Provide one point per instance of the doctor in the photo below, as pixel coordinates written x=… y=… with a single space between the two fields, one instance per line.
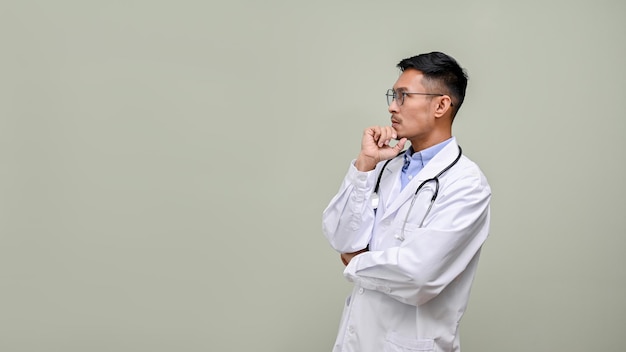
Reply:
x=410 y=227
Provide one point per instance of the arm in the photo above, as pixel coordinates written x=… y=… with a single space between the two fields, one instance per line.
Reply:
x=432 y=257
x=347 y=257
x=348 y=220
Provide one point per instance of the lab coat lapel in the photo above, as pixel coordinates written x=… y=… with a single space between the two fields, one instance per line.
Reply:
x=390 y=180
x=438 y=163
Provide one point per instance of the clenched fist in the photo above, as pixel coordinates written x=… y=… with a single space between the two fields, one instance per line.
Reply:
x=375 y=147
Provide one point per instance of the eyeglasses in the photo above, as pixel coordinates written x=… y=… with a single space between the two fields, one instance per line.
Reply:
x=399 y=96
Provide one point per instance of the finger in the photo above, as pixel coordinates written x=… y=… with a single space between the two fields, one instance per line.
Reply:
x=384 y=137
x=389 y=134
x=400 y=145
x=393 y=134
x=375 y=133
x=370 y=131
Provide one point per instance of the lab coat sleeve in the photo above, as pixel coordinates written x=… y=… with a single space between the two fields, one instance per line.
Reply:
x=348 y=219
x=430 y=258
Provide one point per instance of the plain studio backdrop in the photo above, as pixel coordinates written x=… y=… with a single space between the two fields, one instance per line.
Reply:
x=164 y=167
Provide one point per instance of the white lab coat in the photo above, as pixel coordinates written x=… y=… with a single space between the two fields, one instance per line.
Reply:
x=409 y=295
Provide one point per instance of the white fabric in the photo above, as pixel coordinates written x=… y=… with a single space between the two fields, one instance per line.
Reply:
x=409 y=295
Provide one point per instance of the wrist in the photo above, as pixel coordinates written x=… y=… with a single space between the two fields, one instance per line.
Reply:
x=364 y=163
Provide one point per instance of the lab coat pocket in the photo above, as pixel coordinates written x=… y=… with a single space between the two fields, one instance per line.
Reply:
x=397 y=343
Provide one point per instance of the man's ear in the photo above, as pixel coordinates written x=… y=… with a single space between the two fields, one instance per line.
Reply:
x=444 y=104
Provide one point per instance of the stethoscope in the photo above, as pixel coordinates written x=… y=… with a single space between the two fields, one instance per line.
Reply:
x=375 y=198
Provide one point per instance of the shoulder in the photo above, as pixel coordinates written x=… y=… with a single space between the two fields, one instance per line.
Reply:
x=468 y=172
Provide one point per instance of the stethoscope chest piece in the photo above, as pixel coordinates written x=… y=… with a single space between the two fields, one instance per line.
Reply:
x=375 y=199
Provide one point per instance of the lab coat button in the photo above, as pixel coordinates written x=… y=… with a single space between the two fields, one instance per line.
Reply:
x=361 y=290
x=351 y=329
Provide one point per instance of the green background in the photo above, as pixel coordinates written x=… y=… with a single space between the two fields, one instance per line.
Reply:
x=164 y=166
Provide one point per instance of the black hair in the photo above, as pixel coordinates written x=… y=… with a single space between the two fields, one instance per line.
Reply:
x=443 y=71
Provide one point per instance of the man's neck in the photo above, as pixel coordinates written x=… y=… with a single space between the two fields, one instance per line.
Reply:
x=420 y=144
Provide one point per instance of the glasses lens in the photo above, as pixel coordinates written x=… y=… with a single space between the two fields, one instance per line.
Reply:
x=391 y=95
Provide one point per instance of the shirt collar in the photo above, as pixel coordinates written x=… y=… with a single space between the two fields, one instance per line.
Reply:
x=425 y=155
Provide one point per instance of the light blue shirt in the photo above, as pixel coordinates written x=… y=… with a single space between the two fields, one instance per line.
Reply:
x=415 y=162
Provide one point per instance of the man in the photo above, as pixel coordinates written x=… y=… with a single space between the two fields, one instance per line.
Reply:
x=410 y=228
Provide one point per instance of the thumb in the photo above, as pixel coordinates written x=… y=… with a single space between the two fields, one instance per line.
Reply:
x=399 y=146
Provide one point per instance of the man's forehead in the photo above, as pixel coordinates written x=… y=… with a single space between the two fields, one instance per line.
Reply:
x=409 y=79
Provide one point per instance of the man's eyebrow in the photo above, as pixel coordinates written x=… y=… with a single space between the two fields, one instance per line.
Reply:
x=400 y=89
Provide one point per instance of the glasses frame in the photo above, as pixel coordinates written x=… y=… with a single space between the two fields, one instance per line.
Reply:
x=399 y=96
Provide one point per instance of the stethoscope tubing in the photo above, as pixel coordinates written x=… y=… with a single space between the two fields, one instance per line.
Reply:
x=433 y=198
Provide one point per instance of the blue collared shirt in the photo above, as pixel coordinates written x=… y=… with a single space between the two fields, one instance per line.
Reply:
x=415 y=162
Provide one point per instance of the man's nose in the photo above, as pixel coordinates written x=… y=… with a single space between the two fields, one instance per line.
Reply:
x=393 y=107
